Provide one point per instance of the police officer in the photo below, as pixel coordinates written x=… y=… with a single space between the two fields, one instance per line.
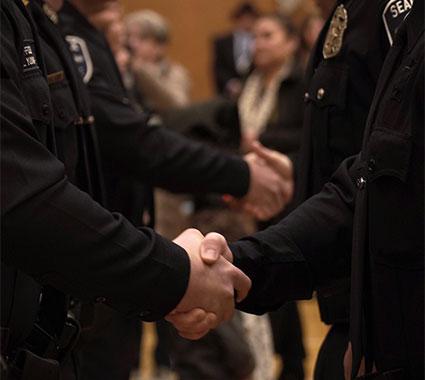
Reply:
x=341 y=79
x=138 y=151
x=379 y=196
x=42 y=211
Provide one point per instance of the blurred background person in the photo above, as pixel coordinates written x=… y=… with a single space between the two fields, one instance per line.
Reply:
x=233 y=52
x=162 y=84
x=270 y=106
x=310 y=29
x=109 y=20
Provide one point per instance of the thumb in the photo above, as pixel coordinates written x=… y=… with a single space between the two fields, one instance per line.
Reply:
x=277 y=161
x=212 y=247
x=241 y=283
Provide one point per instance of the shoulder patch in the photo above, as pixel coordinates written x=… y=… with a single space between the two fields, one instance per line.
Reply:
x=81 y=55
x=394 y=14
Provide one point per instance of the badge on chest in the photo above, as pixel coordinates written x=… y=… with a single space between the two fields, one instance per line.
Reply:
x=335 y=35
x=81 y=55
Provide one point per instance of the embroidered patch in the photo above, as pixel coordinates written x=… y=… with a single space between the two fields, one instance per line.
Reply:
x=81 y=55
x=394 y=13
x=29 y=59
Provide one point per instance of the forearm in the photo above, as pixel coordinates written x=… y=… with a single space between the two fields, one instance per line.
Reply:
x=287 y=261
x=60 y=236
x=162 y=157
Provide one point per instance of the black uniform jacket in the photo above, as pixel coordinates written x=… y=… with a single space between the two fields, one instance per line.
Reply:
x=378 y=195
x=129 y=144
x=338 y=97
x=52 y=232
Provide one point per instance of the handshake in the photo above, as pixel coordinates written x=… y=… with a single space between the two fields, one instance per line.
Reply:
x=271 y=183
x=214 y=285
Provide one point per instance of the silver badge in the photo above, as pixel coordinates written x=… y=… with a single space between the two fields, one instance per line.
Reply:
x=335 y=35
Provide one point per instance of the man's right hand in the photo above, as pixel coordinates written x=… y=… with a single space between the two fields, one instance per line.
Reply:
x=271 y=185
x=211 y=290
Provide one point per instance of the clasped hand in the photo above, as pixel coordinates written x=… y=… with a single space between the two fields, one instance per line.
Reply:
x=271 y=183
x=214 y=285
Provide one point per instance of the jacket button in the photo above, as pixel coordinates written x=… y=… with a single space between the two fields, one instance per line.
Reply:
x=320 y=93
x=100 y=299
x=306 y=97
x=45 y=109
x=371 y=165
x=361 y=183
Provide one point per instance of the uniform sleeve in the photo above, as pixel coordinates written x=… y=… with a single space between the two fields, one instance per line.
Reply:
x=159 y=156
x=61 y=237
x=283 y=261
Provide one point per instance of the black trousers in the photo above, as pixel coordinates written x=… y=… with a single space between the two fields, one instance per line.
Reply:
x=288 y=341
x=112 y=350
x=330 y=361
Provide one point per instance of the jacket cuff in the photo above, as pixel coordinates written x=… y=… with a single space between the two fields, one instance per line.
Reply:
x=238 y=167
x=167 y=287
x=276 y=278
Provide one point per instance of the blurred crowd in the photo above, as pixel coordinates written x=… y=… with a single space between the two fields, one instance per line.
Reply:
x=258 y=70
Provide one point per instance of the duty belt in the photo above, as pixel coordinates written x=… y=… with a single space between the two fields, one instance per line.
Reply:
x=57 y=348
x=40 y=356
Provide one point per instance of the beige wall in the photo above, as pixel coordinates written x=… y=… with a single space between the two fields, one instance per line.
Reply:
x=194 y=23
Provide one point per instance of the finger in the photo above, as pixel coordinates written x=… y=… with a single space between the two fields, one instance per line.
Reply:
x=241 y=283
x=266 y=210
x=209 y=323
x=212 y=247
x=189 y=239
x=289 y=191
x=278 y=161
x=260 y=213
x=193 y=336
x=188 y=320
x=261 y=151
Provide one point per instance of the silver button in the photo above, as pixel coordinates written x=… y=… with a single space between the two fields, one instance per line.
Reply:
x=320 y=93
x=361 y=183
x=306 y=96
